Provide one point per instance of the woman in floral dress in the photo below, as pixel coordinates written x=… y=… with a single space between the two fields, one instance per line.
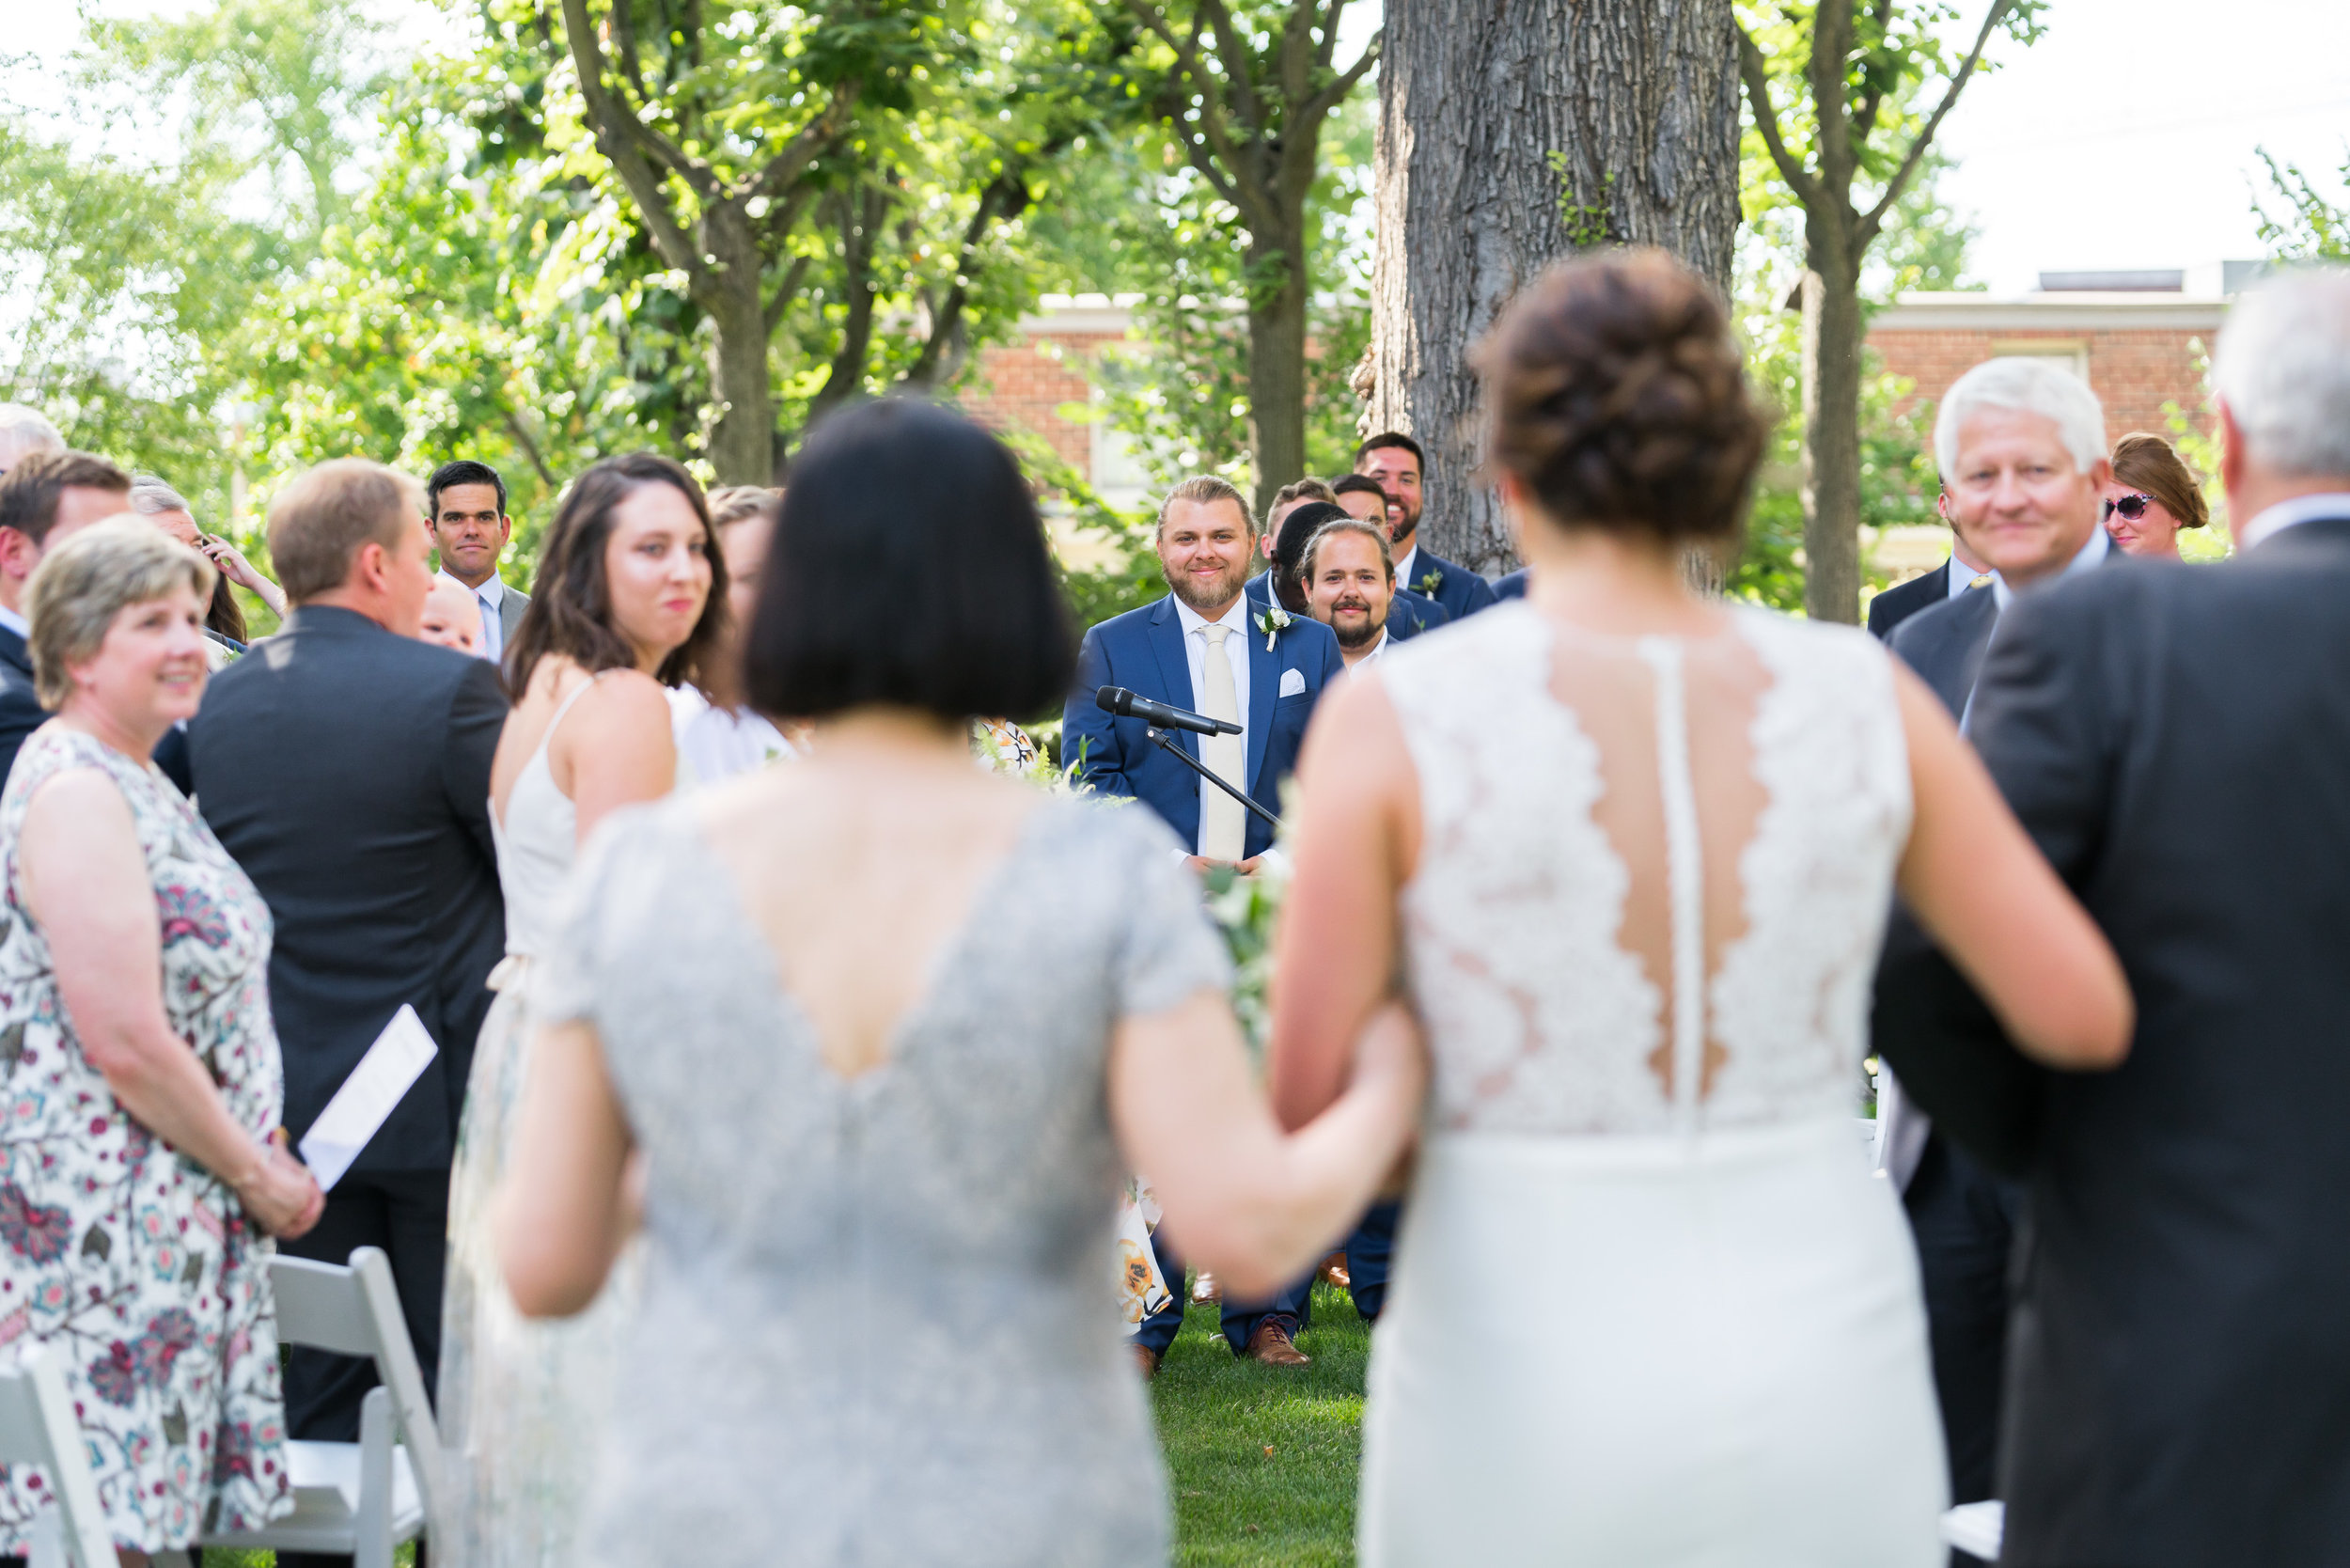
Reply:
x=139 y=1076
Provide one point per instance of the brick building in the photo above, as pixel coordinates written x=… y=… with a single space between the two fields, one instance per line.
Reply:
x=2139 y=338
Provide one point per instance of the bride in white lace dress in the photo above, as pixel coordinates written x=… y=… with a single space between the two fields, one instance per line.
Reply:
x=1632 y=852
x=624 y=606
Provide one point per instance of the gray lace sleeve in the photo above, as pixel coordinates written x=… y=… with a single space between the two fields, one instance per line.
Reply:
x=1172 y=948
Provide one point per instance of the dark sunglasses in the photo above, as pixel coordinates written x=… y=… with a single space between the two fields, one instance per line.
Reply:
x=2131 y=506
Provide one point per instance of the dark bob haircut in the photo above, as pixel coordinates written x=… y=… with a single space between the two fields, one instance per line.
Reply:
x=1617 y=396
x=908 y=569
x=570 y=600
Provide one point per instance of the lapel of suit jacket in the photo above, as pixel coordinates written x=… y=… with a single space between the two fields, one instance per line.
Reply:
x=1264 y=690
x=1946 y=650
x=1167 y=641
x=512 y=605
x=15 y=653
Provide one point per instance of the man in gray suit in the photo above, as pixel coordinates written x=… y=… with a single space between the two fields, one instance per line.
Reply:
x=467 y=516
x=2022 y=448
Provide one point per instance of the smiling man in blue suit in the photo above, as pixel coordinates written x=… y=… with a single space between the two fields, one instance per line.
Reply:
x=1208 y=648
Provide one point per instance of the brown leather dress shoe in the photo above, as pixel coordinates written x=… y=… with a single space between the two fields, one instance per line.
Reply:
x=1205 y=1289
x=1332 y=1270
x=1271 y=1344
x=1147 y=1361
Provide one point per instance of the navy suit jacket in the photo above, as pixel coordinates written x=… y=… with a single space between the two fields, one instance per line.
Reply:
x=1902 y=600
x=1944 y=645
x=1460 y=591
x=347 y=770
x=1143 y=651
x=1511 y=587
x=21 y=711
x=1408 y=614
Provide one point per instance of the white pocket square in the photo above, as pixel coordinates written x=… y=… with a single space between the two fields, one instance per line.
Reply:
x=1293 y=682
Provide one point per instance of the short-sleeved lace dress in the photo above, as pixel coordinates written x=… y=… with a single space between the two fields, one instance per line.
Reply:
x=140 y=1267
x=877 y=1327
x=1650 y=1304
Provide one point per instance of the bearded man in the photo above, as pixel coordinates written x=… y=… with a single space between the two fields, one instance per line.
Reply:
x=1350 y=587
x=1208 y=648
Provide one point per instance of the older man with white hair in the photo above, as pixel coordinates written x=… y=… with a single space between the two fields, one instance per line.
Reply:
x=2177 y=739
x=2022 y=448
x=24 y=432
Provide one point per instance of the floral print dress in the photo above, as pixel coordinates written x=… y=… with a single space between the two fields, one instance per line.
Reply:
x=139 y=1268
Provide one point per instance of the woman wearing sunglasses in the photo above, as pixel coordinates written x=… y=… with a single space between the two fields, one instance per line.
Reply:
x=2151 y=496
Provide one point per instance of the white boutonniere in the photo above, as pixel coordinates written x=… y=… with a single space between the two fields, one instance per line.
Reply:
x=1272 y=621
x=1430 y=581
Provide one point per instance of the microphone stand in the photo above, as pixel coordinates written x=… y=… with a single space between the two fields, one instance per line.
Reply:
x=1174 y=749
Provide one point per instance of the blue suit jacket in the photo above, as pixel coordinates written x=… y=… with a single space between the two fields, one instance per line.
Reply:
x=1143 y=651
x=1511 y=587
x=1460 y=591
x=1408 y=615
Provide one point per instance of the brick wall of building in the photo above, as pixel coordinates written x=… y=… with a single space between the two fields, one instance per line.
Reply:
x=1023 y=384
x=2134 y=371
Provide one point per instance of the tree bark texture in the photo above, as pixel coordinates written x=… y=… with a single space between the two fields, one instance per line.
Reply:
x=1276 y=380
x=1831 y=447
x=1514 y=132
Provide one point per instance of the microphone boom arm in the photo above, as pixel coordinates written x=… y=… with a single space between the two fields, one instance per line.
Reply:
x=1174 y=749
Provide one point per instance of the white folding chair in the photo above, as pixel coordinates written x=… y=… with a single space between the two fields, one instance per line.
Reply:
x=1976 y=1529
x=366 y=1497
x=37 y=1427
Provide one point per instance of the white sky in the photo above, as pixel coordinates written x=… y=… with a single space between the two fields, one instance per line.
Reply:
x=2126 y=137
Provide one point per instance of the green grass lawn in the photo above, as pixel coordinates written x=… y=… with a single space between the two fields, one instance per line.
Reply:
x=1237 y=1506
x=1263 y=1459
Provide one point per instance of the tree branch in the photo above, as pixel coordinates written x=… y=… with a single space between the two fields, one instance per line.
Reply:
x=1336 y=93
x=1209 y=118
x=810 y=140
x=861 y=214
x=1893 y=188
x=1005 y=195
x=1758 y=80
x=1326 y=52
x=786 y=287
x=1232 y=53
x=1874 y=98
x=530 y=448
x=621 y=136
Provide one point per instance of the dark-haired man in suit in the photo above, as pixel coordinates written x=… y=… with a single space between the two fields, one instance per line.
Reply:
x=44 y=497
x=1954 y=576
x=345 y=764
x=1395 y=461
x=465 y=508
x=2177 y=741
x=1207 y=648
x=2022 y=446
x=1408 y=614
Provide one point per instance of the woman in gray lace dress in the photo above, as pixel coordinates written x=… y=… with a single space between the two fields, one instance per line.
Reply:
x=889 y=1030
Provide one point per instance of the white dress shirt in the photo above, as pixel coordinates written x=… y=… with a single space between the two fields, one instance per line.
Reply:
x=1235 y=649
x=2286 y=515
x=2091 y=555
x=1961 y=578
x=1403 y=566
x=490 y=596
x=16 y=623
x=1377 y=648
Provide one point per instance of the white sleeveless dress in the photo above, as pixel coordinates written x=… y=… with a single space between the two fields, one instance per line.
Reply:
x=1651 y=1307
x=523 y=1404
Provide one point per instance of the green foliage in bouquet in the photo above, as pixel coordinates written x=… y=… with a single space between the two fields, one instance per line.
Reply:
x=1246 y=909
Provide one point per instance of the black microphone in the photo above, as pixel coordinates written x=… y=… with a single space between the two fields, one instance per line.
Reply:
x=1118 y=699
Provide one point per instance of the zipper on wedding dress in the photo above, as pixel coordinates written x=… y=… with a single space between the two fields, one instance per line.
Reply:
x=1685 y=875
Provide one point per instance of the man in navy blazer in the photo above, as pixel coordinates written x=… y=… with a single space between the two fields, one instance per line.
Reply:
x=1177 y=651
x=1205 y=540
x=1395 y=461
x=1408 y=614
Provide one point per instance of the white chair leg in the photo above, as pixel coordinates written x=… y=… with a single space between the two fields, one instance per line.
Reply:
x=373 y=1549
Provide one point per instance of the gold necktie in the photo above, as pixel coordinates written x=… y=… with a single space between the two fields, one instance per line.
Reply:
x=1983 y=581
x=1223 y=822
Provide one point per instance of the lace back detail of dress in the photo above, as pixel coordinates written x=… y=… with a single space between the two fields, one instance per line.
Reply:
x=1653 y=875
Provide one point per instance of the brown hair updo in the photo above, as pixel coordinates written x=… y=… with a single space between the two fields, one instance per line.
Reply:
x=1618 y=395
x=2152 y=466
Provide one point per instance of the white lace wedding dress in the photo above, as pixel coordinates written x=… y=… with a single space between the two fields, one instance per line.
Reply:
x=1650 y=1307
x=524 y=1406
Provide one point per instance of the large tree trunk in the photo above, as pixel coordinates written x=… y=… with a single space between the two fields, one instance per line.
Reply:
x=1276 y=375
x=742 y=438
x=1638 y=101
x=1831 y=443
